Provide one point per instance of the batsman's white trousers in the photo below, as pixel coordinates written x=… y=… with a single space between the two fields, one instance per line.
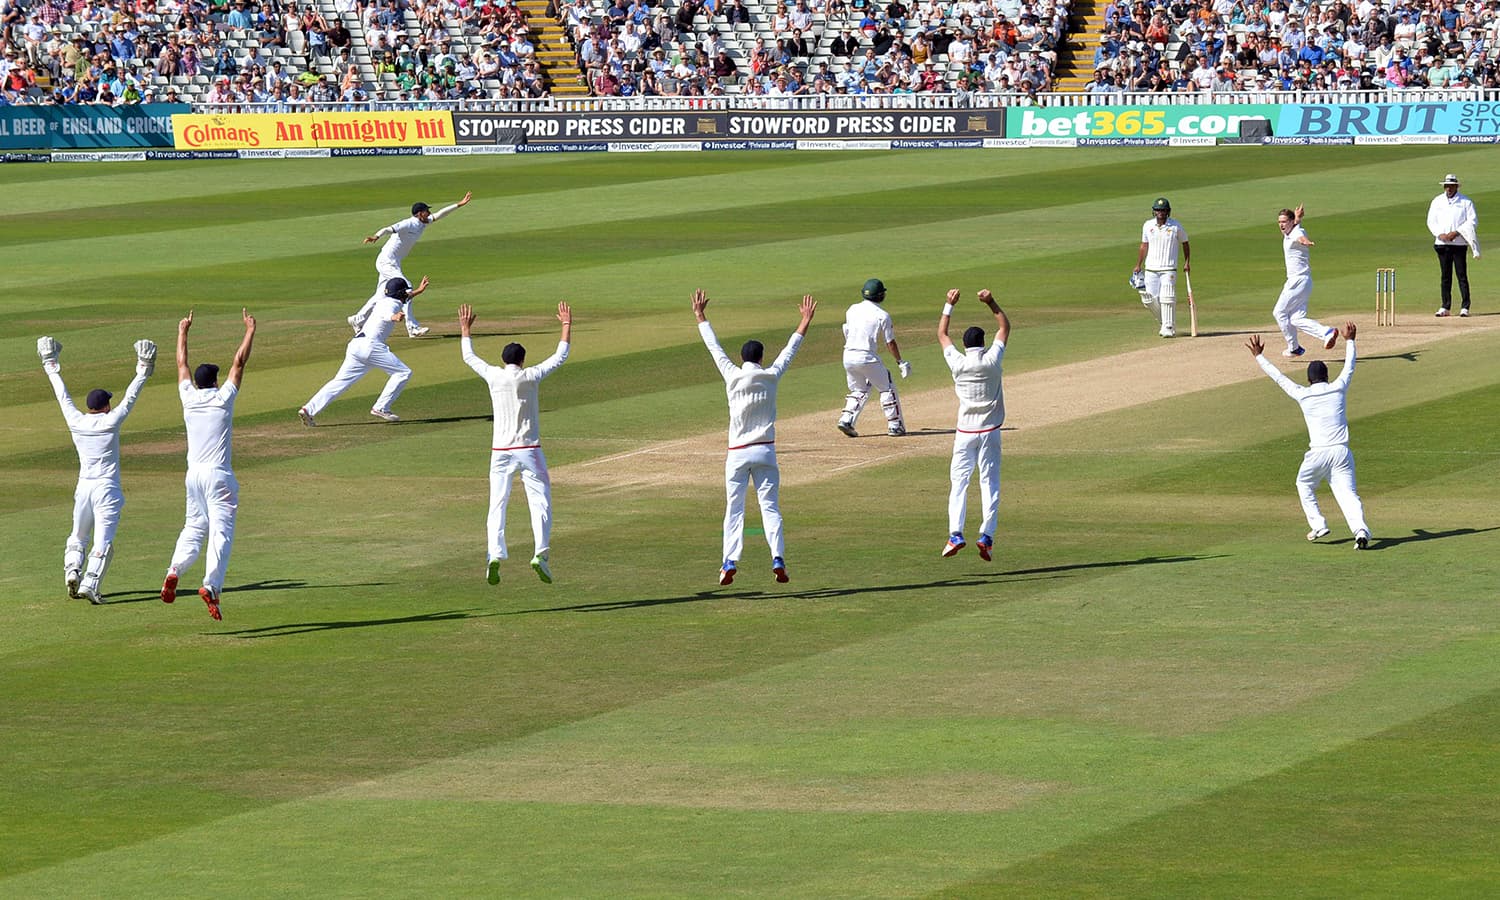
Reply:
x=1336 y=466
x=213 y=497
x=1162 y=285
x=1291 y=312
x=973 y=449
x=867 y=373
x=755 y=463
x=532 y=465
x=97 y=503
x=363 y=355
x=382 y=275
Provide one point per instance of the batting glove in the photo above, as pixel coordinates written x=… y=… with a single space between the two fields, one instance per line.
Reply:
x=49 y=350
x=145 y=357
x=905 y=368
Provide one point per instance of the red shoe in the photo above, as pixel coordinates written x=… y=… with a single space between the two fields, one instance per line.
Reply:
x=778 y=568
x=169 y=588
x=955 y=544
x=213 y=603
x=1332 y=339
x=984 y=546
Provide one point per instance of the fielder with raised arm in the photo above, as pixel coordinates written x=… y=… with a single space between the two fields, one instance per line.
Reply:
x=981 y=412
x=1290 y=311
x=213 y=494
x=403 y=237
x=1328 y=455
x=98 y=499
x=1155 y=270
x=517 y=442
x=752 y=436
x=867 y=328
x=368 y=350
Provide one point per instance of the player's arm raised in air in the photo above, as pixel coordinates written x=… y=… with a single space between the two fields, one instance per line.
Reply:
x=183 y=372
x=706 y=331
x=554 y=362
x=946 y=318
x=1343 y=380
x=452 y=206
x=1002 y=321
x=1257 y=348
x=466 y=320
x=242 y=355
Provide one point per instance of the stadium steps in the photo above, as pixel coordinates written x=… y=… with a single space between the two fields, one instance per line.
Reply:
x=554 y=53
x=1075 y=58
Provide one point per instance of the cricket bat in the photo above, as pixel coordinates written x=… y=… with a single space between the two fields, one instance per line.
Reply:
x=1192 y=305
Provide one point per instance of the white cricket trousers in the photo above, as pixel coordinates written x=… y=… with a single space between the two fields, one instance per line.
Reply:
x=213 y=497
x=97 y=503
x=363 y=355
x=755 y=463
x=1162 y=288
x=382 y=275
x=973 y=449
x=532 y=465
x=866 y=373
x=1336 y=466
x=1291 y=312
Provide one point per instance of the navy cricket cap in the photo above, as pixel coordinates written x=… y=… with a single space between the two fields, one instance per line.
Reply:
x=98 y=398
x=420 y=207
x=206 y=375
x=398 y=288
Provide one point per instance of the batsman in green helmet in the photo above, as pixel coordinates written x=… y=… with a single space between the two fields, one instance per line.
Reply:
x=868 y=327
x=1161 y=238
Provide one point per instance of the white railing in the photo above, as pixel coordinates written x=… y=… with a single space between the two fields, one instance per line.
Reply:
x=873 y=101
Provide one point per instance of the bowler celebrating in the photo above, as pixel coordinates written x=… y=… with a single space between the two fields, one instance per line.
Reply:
x=98 y=499
x=213 y=494
x=981 y=412
x=752 y=436
x=517 y=442
x=1291 y=307
x=1328 y=455
x=403 y=237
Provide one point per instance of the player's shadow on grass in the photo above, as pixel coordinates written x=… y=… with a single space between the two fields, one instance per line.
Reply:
x=1408 y=356
x=1418 y=534
x=274 y=584
x=290 y=628
x=971 y=580
x=376 y=423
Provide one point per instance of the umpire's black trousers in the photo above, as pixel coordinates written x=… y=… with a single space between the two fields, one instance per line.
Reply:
x=1451 y=257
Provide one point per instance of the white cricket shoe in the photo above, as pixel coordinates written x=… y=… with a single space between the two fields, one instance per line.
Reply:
x=1168 y=332
x=306 y=418
x=1361 y=540
x=543 y=571
x=91 y=594
x=1294 y=352
x=71 y=578
x=1463 y=313
x=1442 y=312
x=385 y=414
x=1317 y=533
x=417 y=332
x=847 y=427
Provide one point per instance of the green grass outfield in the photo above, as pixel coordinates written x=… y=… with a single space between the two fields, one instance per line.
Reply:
x=1157 y=689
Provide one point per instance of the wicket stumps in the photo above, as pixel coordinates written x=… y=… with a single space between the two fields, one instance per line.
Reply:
x=1385 y=297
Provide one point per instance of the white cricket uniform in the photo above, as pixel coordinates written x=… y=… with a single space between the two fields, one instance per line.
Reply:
x=403 y=237
x=98 y=499
x=867 y=329
x=1291 y=307
x=366 y=351
x=976 y=439
x=213 y=494
x=751 y=391
x=516 y=445
x=1328 y=455
x=1163 y=244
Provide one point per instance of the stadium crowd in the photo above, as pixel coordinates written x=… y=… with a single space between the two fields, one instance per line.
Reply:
x=1234 y=45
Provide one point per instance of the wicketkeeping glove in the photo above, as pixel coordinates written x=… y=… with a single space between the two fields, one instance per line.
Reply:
x=145 y=357
x=49 y=350
x=905 y=368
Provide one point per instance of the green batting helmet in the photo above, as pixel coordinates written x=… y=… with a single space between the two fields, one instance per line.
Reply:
x=874 y=289
x=1162 y=204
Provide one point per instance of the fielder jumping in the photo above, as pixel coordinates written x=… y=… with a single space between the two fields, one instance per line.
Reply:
x=213 y=494
x=868 y=327
x=517 y=442
x=1291 y=307
x=981 y=412
x=368 y=350
x=1160 y=238
x=752 y=436
x=98 y=499
x=403 y=237
x=1328 y=455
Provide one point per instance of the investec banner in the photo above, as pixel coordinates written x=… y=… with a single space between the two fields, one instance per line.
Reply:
x=257 y=131
x=732 y=125
x=1127 y=122
x=87 y=127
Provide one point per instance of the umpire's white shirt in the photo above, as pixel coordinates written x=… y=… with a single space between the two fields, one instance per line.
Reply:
x=867 y=328
x=1162 y=242
x=1455 y=214
x=514 y=394
x=1323 y=405
x=976 y=380
x=751 y=390
x=209 y=416
x=96 y=435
